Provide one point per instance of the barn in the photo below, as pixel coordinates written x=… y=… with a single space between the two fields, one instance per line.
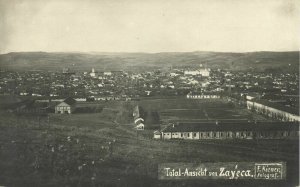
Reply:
x=66 y=107
x=242 y=130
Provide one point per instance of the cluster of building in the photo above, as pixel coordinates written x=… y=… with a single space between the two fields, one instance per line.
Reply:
x=114 y=85
x=103 y=85
x=282 y=88
x=275 y=95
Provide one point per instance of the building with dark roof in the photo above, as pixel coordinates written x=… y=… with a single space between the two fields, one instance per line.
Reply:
x=66 y=107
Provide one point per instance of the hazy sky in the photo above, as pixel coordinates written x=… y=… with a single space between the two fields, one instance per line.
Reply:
x=149 y=25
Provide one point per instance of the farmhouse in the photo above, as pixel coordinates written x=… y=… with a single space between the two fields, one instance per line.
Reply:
x=66 y=107
x=273 y=110
x=209 y=130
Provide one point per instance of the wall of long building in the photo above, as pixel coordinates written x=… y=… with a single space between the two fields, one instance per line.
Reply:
x=231 y=135
x=192 y=96
x=272 y=112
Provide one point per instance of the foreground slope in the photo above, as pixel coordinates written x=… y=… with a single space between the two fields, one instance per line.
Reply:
x=102 y=149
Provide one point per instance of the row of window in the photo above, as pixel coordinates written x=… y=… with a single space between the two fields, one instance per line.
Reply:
x=63 y=108
x=212 y=134
x=244 y=134
x=202 y=96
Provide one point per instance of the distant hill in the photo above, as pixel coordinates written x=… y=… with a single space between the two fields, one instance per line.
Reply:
x=256 y=61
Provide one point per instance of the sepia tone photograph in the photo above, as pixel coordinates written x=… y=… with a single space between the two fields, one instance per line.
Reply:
x=149 y=93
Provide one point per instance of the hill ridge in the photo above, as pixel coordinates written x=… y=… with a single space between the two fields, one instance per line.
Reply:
x=83 y=61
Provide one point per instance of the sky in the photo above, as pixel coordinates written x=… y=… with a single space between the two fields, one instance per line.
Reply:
x=149 y=25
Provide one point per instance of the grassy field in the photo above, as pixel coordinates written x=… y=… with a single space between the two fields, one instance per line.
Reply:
x=195 y=109
x=102 y=149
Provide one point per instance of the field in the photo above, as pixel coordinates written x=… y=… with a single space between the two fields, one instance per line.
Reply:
x=181 y=109
x=102 y=149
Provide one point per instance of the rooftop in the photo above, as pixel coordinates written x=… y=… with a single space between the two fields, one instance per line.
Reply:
x=70 y=101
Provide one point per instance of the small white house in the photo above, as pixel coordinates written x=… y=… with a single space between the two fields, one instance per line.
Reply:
x=140 y=126
x=66 y=107
x=157 y=134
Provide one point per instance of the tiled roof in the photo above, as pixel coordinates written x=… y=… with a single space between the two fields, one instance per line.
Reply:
x=70 y=101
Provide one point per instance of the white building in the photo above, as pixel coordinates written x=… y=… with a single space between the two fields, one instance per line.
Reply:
x=173 y=74
x=204 y=72
x=66 y=107
x=157 y=134
x=237 y=130
x=195 y=72
x=202 y=96
x=140 y=126
x=107 y=73
x=138 y=120
x=93 y=73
